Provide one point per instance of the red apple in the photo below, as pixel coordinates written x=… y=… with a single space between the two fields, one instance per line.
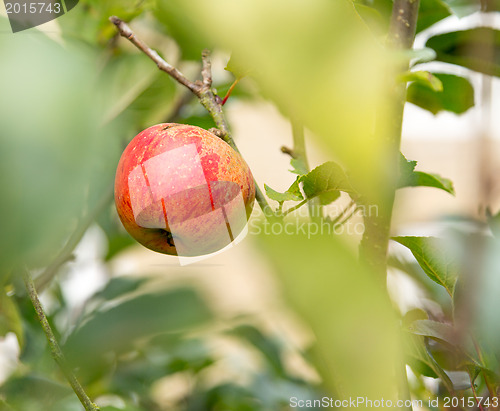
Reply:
x=183 y=191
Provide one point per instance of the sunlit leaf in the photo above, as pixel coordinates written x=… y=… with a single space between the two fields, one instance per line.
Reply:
x=326 y=181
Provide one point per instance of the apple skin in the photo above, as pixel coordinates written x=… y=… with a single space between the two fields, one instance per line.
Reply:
x=181 y=190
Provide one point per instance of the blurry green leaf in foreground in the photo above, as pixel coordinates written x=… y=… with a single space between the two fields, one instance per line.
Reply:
x=357 y=345
x=131 y=319
x=477 y=49
x=434 y=258
x=317 y=59
x=456 y=94
x=52 y=150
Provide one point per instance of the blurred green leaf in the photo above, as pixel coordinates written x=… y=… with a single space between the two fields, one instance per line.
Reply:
x=305 y=54
x=462 y=8
x=349 y=302
x=265 y=344
x=431 y=253
x=177 y=25
x=430 y=12
x=34 y=393
x=236 y=67
x=378 y=18
x=372 y=17
x=125 y=78
x=292 y=194
x=423 y=77
x=121 y=326
x=456 y=96
x=434 y=329
x=93 y=25
x=477 y=49
x=10 y=317
x=48 y=164
x=118 y=286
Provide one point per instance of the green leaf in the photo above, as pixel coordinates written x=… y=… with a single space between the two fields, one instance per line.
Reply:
x=422 y=77
x=432 y=256
x=371 y=16
x=183 y=30
x=477 y=49
x=462 y=8
x=10 y=317
x=457 y=95
x=267 y=346
x=431 y=180
x=292 y=194
x=326 y=181
x=236 y=66
x=124 y=79
x=119 y=326
x=410 y=178
x=299 y=166
x=434 y=329
x=352 y=306
x=430 y=12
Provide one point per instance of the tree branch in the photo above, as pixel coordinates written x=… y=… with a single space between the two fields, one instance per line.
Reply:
x=126 y=31
x=55 y=350
x=375 y=241
x=202 y=89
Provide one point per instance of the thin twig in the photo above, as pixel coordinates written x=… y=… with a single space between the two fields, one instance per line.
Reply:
x=126 y=31
x=202 y=89
x=55 y=350
x=206 y=71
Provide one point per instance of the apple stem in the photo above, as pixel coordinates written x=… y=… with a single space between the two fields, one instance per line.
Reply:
x=56 y=352
x=202 y=89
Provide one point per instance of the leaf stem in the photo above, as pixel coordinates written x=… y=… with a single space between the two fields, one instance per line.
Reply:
x=56 y=352
x=235 y=82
